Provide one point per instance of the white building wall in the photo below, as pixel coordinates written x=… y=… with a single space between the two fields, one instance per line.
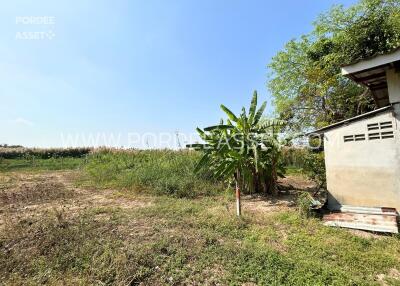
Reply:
x=364 y=172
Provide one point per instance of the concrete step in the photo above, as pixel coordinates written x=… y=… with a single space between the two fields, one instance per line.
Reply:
x=385 y=220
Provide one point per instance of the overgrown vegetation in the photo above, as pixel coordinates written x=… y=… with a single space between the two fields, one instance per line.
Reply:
x=102 y=167
x=162 y=172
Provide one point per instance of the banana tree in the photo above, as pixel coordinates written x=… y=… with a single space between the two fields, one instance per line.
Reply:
x=245 y=147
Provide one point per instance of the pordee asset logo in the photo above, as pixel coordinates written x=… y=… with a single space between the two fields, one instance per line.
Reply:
x=35 y=35
x=40 y=27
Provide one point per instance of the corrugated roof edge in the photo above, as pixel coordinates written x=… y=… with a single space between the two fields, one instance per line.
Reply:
x=355 y=118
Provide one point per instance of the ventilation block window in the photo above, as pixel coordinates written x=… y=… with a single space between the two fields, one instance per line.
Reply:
x=356 y=137
x=388 y=134
x=359 y=137
x=374 y=136
x=348 y=138
x=380 y=130
x=386 y=125
x=373 y=126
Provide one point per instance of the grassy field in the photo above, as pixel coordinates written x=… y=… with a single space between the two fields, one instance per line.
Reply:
x=78 y=226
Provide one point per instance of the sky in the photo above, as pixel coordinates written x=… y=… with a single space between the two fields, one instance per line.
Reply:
x=138 y=74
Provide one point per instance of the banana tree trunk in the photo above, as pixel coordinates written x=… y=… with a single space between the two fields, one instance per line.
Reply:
x=269 y=181
x=274 y=179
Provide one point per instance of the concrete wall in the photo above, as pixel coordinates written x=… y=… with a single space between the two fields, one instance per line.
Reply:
x=366 y=172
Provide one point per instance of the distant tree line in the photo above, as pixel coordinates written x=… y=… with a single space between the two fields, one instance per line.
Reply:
x=10 y=146
x=17 y=152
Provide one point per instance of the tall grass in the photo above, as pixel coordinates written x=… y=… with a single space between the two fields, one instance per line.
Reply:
x=162 y=172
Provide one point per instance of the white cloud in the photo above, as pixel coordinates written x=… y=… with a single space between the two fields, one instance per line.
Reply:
x=23 y=121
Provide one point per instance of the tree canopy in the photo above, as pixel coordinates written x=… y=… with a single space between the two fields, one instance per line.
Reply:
x=305 y=80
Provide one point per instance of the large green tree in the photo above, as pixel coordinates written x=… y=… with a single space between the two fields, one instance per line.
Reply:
x=306 y=84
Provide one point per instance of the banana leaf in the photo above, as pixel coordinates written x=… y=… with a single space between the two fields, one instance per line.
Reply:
x=229 y=113
x=218 y=127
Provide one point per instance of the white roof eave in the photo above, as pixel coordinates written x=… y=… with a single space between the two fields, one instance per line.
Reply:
x=371 y=63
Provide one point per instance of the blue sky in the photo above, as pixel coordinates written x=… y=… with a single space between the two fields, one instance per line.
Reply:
x=120 y=67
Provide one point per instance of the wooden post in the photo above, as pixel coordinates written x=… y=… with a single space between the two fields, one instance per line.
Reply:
x=238 y=206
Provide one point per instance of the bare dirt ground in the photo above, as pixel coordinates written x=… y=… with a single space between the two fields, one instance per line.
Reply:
x=290 y=187
x=29 y=196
